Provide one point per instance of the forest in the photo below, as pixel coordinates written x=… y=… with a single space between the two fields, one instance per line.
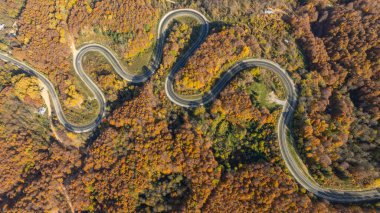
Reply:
x=338 y=113
x=150 y=155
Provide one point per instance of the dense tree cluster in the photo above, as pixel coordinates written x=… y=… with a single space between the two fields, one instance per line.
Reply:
x=176 y=42
x=256 y=35
x=12 y=7
x=338 y=113
x=259 y=188
x=130 y=25
x=104 y=76
x=62 y=25
x=42 y=43
x=265 y=187
x=242 y=129
x=33 y=163
x=166 y=194
x=148 y=148
x=219 y=51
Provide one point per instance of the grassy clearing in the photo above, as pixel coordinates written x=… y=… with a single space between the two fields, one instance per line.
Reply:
x=83 y=115
x=187 y=20
x=273 y=82
x=119 y=46
x=334 y=182
x=261 y=87
x=261 y=94
x=136 y=64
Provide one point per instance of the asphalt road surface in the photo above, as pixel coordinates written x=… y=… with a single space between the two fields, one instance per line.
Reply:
x=291 y=159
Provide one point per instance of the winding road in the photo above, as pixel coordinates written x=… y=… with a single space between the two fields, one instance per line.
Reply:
x=292 y=160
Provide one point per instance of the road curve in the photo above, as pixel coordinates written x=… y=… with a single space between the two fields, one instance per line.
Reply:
x=300 y=175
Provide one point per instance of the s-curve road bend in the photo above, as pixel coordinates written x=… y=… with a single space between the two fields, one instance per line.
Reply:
x=293 y=164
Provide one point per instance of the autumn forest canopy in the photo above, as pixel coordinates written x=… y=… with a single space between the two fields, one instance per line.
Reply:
x=150 y=155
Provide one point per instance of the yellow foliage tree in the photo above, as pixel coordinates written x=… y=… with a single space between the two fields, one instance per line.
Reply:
x=26 y=86
x=74 y=98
